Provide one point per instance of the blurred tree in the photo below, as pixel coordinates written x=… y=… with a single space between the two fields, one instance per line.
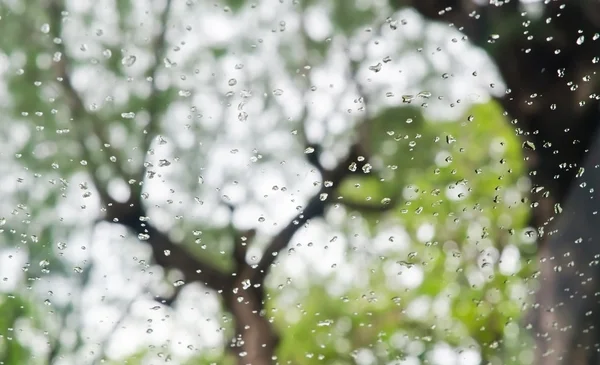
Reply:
x=299 y=159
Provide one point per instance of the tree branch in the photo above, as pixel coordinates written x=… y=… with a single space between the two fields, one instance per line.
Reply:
x=165 y=252
x=154 y=107
x=314 y=209
x=77 y=106
x=461 y=14
x=367 y=207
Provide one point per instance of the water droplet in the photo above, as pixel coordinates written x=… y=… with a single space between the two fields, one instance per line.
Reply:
x=128 y=61
x=529 y=145
x=232 y=82
x=178 y=283
x=246 y=284
x=376 y=68
x=45 y=28
x=407 y=99
x=557 y=208
x=325 y=323
x=277 y=92
x=168 y=63
x=580 y=40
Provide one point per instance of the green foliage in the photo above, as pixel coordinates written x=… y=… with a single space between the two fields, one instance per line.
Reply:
x=348 y=18
x=13 y=309
x=479 y=154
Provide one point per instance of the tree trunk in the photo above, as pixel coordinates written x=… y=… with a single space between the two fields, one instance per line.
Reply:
x=567 y=306
x=255 y=340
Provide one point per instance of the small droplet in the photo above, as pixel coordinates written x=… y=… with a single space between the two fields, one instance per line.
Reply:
x=168 y=63
x=407 y=99
x=376 y=68
x=557 y=208
x=529 y=145
x=128 y=61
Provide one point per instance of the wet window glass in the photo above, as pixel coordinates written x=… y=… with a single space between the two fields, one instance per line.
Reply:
x=299 y=182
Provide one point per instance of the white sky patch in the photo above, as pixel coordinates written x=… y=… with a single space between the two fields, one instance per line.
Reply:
x=318 y=26
x=510 y=260
x=425 y=232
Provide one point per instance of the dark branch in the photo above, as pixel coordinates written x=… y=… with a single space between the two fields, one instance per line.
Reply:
x=165 y=252
x=154 y=108
x=461 y=14
x=240 y=248
x=363 y=207
x=314 y=209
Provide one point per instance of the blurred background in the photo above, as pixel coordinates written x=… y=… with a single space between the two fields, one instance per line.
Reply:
x=298 y=182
